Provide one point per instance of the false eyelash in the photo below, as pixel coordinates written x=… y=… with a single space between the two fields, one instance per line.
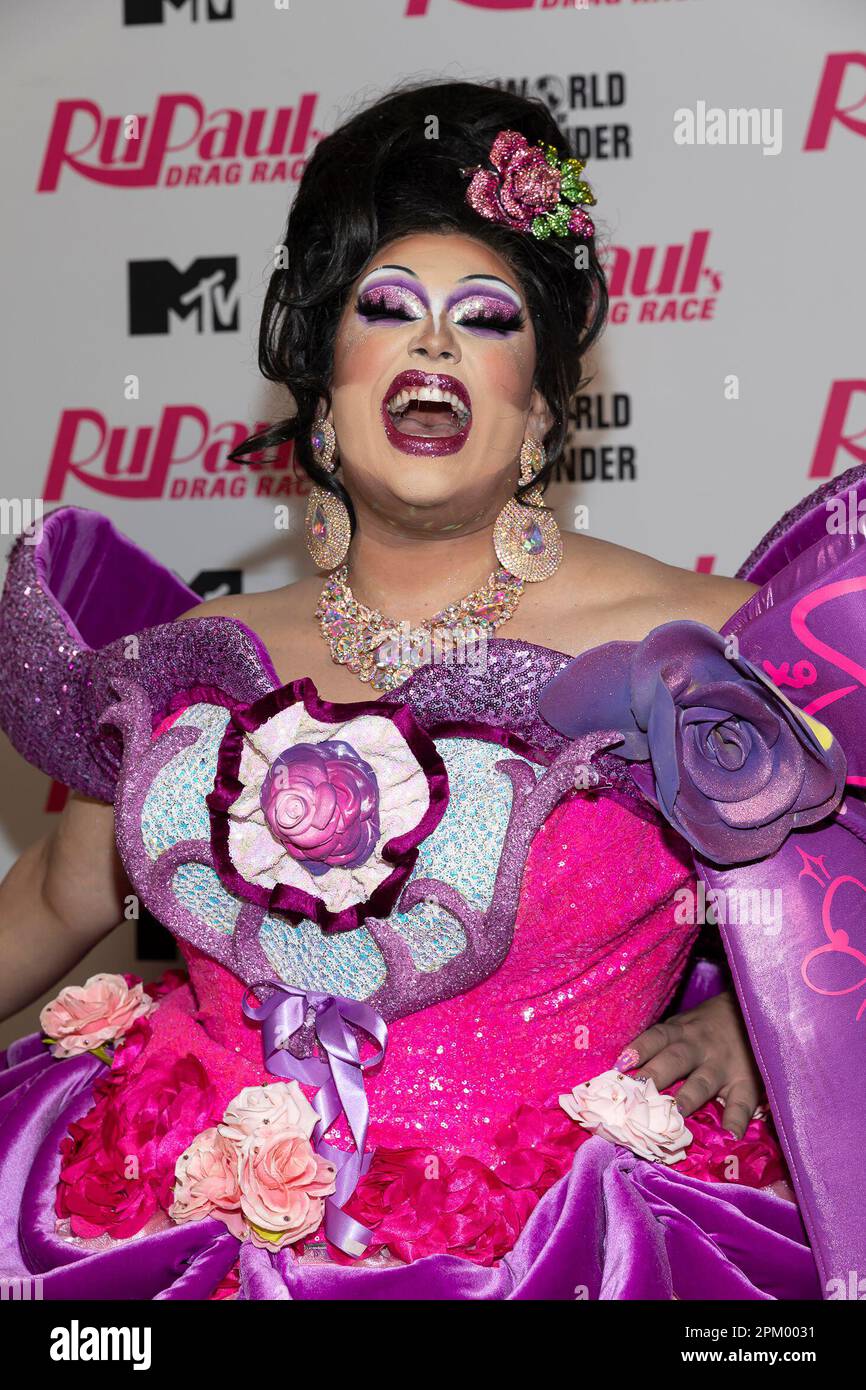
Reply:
x=499 y=323
x=369 y=310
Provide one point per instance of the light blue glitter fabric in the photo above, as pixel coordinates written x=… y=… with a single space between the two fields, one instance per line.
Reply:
x=175 y=808
x=463 y=851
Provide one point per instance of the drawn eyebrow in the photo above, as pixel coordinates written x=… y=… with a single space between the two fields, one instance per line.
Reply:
x=404 y=268
x=498 y=279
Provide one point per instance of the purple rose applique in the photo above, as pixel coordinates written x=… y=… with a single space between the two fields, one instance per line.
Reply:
x=321 y=801
x=318 y=809
x=735 y=766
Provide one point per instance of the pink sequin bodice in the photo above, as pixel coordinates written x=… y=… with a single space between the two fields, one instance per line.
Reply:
x=596 y=956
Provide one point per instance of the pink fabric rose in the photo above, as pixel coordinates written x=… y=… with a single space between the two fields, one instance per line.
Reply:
x=263 y=1111
x=84 y=1017
x=627 y=1111
x=321 y=801
x=283 y=1186
x=206 y=1182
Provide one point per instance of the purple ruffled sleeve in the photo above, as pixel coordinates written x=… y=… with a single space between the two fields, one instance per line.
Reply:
x=82 y=606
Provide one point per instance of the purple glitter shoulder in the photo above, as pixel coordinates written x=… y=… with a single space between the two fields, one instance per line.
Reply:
x=800 y=527
x=83 y=606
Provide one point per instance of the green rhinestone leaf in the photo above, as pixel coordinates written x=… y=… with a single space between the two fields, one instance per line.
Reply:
x=584 y=193
x=542 y=226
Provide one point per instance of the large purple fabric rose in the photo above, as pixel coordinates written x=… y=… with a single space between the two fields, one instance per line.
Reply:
x=735 y=766
x=321 y=801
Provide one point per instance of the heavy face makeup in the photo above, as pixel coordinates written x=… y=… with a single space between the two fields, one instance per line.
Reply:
x=432 y=390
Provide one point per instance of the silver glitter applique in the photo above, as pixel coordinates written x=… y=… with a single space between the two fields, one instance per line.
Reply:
x=463 y=851
x=175 y=807
x=200 y=889
x=347 y=963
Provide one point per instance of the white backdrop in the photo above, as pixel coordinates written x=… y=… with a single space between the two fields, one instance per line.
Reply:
x=724 y=390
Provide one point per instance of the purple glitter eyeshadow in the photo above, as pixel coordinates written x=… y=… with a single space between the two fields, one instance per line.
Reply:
x=483 y=309
x=392 y=297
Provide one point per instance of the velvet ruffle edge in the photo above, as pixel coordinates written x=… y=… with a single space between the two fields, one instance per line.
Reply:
x=461 y=1228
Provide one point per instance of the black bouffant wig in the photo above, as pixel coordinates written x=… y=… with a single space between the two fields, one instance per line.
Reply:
x=379 y=177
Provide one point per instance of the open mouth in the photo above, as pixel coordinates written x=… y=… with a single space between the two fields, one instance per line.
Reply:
x=427 y=412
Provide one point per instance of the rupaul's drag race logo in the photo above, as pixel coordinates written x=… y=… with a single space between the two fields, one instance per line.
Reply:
x=575 y=100
x=842 y=436
x=178 y=144
x=416 y=8
x=183 y=456
x=662 y=284
x=841 y=92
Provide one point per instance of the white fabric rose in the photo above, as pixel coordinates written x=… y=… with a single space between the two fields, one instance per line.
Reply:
x=629 y=1111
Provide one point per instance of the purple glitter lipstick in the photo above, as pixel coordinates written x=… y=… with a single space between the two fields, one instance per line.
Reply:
x=427 y=413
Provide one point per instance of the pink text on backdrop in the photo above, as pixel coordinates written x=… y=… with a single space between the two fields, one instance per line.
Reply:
x=844 y=397
x=139 y=461
x=89 y=143
x=828 y=98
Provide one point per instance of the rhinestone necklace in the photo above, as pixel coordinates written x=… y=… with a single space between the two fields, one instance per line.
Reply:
x=385 y=651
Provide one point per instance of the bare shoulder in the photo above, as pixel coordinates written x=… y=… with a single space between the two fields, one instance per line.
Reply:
x=263 y=612
x=605 y=592
x=709 y=598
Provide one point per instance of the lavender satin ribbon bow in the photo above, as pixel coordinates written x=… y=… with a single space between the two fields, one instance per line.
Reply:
x=340 y=1081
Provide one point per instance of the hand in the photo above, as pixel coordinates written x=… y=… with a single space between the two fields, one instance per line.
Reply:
x=707 y=1045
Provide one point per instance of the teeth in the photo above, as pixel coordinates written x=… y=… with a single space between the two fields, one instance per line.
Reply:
x=399 y=401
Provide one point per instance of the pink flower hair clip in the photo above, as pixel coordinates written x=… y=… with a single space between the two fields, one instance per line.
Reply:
x=531 y=189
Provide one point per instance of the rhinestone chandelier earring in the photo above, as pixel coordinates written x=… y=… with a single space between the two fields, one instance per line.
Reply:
x=526 y=537
x=327 y=529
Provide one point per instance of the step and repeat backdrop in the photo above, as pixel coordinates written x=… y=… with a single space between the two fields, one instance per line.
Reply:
x=726 y=143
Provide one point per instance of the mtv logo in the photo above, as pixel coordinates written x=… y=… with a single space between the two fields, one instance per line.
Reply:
x=206 y=293
x=153 y=11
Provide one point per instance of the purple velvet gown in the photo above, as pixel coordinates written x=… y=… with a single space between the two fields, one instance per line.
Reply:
x=507 y=881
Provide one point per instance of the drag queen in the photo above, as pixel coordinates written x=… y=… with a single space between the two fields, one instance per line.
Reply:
x=435 y=829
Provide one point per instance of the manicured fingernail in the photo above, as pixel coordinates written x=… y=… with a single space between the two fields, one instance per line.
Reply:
x=681 y=1107
x=627 y=1059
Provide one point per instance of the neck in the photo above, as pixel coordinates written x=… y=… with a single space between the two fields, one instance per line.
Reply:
x=410 y=576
